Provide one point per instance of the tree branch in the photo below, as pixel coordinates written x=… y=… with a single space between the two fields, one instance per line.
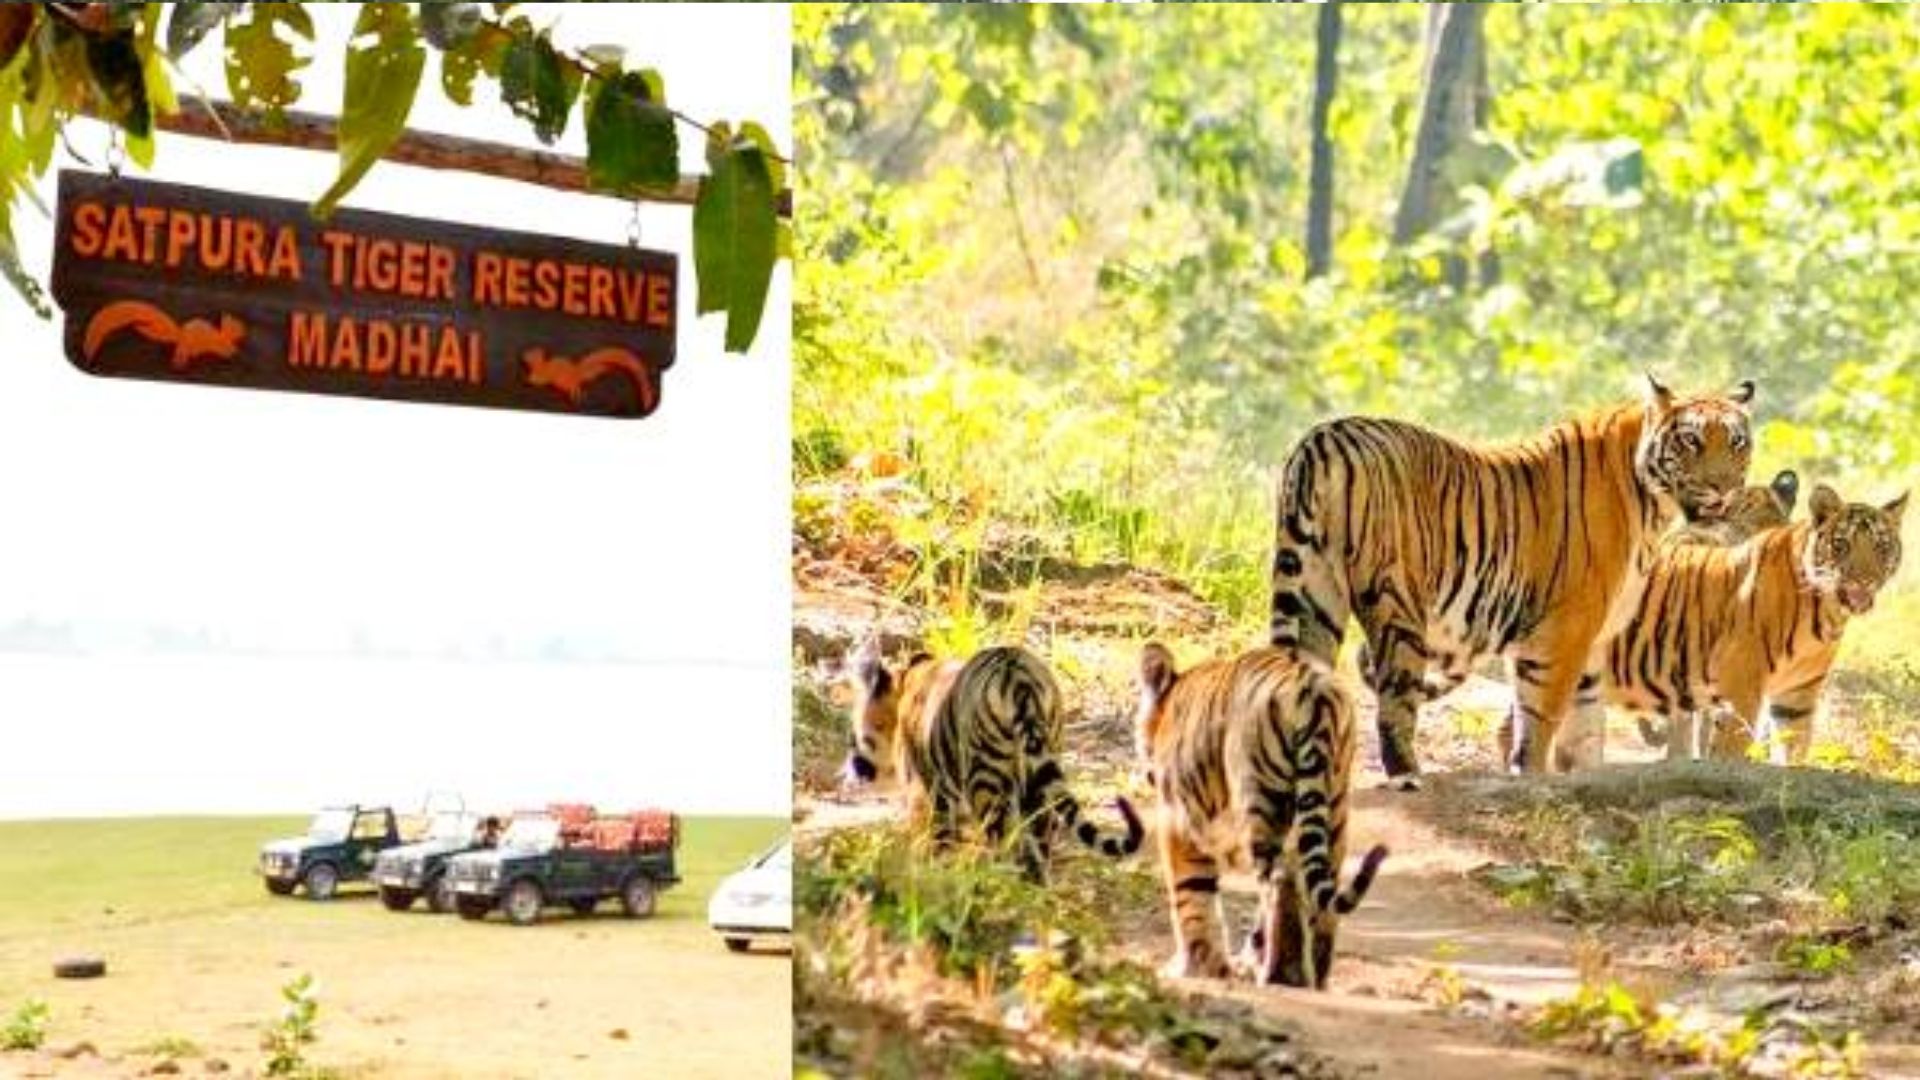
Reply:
x=425 y=149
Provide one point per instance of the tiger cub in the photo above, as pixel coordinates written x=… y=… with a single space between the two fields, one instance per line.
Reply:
x=976 y=743
x=1252 y=759
x=1755 y=509
x=1759 y=621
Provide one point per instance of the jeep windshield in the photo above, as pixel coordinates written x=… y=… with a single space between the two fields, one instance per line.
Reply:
x=330 y=826
x=450 y=826
x=531 y=836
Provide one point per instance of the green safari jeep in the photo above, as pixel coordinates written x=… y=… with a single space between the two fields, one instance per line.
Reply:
x=340 y=846
x=544 y=860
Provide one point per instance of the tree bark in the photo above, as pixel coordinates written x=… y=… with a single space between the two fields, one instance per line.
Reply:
x=1326 y=74
x=1453 y=100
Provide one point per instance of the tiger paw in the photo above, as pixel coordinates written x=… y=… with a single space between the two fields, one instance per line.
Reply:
x=1186 y=965
x=1405 y=782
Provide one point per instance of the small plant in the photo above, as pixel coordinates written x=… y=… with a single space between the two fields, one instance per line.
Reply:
x=1442 y=983
x=288 y=1038
x=1812 y=955
x=27 y=1029
x=170 y=1048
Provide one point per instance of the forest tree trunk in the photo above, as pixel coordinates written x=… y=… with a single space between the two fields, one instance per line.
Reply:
x=1326 y=74
x=1453 y=102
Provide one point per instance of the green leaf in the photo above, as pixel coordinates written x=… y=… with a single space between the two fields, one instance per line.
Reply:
x=457 y=72
x=735 y=235
x=189 y=23
x=384 y=63
x=261 y=62
x=631 y=140
x=113 y=62
x=153 y=67
x=537 y=83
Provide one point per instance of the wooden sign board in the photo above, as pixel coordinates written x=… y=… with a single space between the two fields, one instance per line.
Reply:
x=184 y=284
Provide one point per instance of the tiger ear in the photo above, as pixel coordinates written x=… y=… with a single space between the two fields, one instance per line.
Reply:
x=1897 y=508
x=1658 y=396
x=1825 y=502
x=868 y=669
x=1743 y=393
x=1786 y=489
x=1156 y=671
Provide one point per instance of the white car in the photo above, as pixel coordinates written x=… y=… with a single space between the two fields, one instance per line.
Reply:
x=756 y=904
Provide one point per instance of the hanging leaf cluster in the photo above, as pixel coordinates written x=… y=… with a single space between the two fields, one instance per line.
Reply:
x=113 y=62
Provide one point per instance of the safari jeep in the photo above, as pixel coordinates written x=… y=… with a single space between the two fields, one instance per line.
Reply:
x=410 y=871
x=567 y=856
x=340 y=846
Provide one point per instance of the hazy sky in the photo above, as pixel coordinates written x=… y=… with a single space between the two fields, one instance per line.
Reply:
x=333 y=577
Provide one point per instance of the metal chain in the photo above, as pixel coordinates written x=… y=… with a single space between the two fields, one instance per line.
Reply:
x=116 y=152
x=633 y=226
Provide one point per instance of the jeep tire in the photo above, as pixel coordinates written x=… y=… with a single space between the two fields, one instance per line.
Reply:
x=397 y=899
x=321 y=881
x=440 y=895
x=637 y=897
x=523 y=902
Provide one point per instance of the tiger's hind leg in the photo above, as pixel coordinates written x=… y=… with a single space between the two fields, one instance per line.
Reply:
x=1193 y=891
x=1398 y=679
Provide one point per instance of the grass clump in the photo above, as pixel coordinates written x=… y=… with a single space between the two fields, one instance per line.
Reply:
x=1608 y=1017
x=912 y=963
x=26 y=1029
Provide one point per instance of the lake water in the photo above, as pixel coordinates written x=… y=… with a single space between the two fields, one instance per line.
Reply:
x=85 y=735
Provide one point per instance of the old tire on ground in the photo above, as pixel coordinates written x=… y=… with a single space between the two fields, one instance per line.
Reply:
x=79 y=967
x=739 y=944
x=280 y=888
x=397 y=899
x=523 y=902
x=321 y=881
x=583 y=905
x=473 y=907
x=636 y=897
x=440 y=895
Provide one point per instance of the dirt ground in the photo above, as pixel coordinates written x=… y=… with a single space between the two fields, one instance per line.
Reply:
x=424 y=996
x=410 y=997
x=1424 y=916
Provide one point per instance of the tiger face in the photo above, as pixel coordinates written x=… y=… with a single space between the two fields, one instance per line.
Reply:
x=1752 y=510
x=1854 y=548
x=1695 y=450
x=874 y=721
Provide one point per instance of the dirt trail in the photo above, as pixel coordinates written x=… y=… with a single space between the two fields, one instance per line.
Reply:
x=1422 y=915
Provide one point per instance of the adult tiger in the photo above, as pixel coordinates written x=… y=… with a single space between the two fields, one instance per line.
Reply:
x=1252 y=758
x=1750 y=510
x=975 y=743
x=1446 y=552
x=1759 y=621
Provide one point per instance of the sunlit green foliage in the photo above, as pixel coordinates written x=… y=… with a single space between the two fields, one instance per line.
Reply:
x=1055 y=257
x=112 y=62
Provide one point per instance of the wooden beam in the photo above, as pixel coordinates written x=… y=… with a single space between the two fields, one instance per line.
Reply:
x=204 y=119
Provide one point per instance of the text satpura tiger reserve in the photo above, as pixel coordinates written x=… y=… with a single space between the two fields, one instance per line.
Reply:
x=431 y=347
